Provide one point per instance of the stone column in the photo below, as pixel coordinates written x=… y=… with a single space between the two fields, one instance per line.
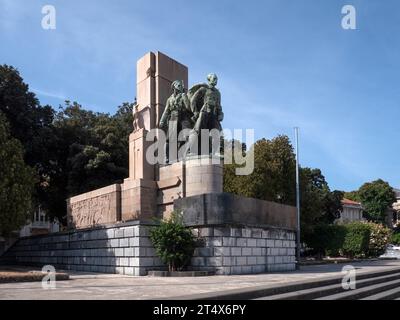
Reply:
x=155 y=74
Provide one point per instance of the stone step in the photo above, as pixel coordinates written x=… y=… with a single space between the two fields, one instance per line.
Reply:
x=385 y=295
x=322 y=291
x=276 y=289
x=363 y=292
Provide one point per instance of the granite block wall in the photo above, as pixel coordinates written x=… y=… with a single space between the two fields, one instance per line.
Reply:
x=230 y=250
x=127 y=249
x=124 y=249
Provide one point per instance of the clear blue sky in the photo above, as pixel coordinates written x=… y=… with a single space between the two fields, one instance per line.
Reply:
x=281 y=63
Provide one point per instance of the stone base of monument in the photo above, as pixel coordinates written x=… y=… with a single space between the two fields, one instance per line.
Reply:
x=144 y=199
x=236 y=235
x=197 y=175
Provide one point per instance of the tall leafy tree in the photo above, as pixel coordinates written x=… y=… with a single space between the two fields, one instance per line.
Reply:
x=16 y=182
x=31 y=124
x=319 y=205
x=91 y=151
x=274 y=179
x=376 y=197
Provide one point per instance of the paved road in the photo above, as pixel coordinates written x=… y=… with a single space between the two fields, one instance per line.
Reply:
x=84 y=286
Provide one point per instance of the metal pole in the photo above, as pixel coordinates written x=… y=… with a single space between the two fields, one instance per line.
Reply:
x=298 y=243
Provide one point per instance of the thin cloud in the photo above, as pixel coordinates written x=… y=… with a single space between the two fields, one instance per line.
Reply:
x=58 y=96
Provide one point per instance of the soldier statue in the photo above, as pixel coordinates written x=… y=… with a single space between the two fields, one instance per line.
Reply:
x=176 y=117
x=205 y=101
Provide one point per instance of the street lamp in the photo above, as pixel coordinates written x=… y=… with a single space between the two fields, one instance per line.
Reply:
x=298 y=243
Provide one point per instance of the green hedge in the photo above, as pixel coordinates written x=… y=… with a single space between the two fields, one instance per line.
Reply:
x=356 y=242
x=357 y=239
x=327 y=239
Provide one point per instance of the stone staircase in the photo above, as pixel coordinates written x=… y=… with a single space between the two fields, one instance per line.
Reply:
x=371 y=285
x=377 y=286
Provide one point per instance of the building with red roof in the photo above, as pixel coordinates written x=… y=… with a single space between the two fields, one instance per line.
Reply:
x=352 y=211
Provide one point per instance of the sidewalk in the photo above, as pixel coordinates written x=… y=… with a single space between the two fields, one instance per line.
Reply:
x=84 y=286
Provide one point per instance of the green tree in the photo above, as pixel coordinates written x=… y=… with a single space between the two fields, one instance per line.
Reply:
x=318 y=204
x=376 y=197
x=274 y=179
x=31 y=124
x=16 y=182
x=91 y=151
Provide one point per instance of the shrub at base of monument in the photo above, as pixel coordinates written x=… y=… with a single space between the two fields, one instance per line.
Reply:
x=174 y=244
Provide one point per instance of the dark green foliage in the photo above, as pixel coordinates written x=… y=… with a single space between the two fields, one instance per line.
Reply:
x=95 y=147
x=395 y=239
x=326 y=239
x=16 y=182
x=376 y=197
x=274 y=179
x=31 y=124
x=29 y=121
x=92 y=152
x=356 y=243
x=318 y=204
x=358 y=239
x=73 y=150
x=174 y=243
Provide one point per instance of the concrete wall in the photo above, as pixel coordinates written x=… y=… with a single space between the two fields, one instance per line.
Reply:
x=127 y=249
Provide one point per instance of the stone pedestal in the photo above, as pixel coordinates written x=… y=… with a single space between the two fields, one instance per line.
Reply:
x=185 y=179
x=138 y=199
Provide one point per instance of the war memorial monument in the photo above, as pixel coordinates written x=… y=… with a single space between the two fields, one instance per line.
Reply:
x=109 y=227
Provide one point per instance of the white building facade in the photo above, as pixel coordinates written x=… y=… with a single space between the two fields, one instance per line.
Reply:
x=352 y=211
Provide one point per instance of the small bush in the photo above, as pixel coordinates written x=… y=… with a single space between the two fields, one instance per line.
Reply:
x=380 y=237
x=356 y=242
x=395 y=239
x=174 y=243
